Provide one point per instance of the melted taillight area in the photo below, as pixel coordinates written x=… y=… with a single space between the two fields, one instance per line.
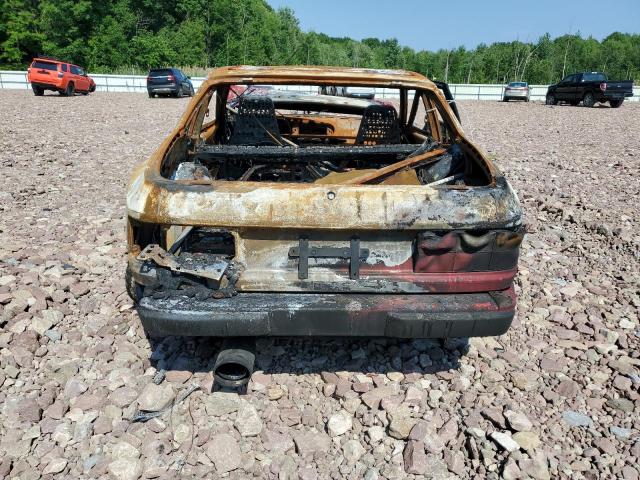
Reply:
x=467 y=251
x=603 y=86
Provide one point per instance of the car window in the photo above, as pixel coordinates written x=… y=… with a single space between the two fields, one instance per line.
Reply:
x=594 y=77
x=518 y=84
x=75 y=70
x=45 y=65
x=64 y=67
x=160 y=72
x=426 y=118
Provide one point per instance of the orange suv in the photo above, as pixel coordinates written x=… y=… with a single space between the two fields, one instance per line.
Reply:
x=65 y=78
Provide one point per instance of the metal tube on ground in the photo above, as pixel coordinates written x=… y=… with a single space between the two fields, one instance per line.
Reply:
x=235 y=362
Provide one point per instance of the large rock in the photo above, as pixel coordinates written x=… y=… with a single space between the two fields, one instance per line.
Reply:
x=401 y=426
x=224 y=452
x=339 y=423
x=576 y=419
x=518 y=421
x=425 y=433
x=55 y=465
x=309 y=443
x=125 y=469
x=505 y=441
x=156 y=397
x=415 y=458
x=352 y=451
x=527 y=440
x=221 y=403
x=248 y=422
x=372 y=398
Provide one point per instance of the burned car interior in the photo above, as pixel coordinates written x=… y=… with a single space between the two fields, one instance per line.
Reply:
x=269 y=134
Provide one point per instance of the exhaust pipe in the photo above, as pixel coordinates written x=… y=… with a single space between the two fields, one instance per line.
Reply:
x=235 y=361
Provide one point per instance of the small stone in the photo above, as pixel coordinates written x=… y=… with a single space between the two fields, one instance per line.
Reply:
x=426 y=434
x=576 y=419
x=505 y=441
x=415 y=459
x=41 y=325
x=626 y=324
x=221 y=403
x=309 y=443
x=373 y=397
x=371 y=474
x=155 y=397
x=621 y=433
x=275 y=393
x=352 y=451
x=178 y=376
x=224 y=452
x=125 y=469
x=537 y=467
x=28 y=410
x=621 y=404
x=375 y=434
x=339 y=423
x=401 y=426
x=248 y=422
x=605 y=445
x=395 y=376
x=527 y=440
x=55 y=465
x=518 y=421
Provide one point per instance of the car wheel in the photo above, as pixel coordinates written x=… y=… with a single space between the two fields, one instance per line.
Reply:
x=70 y=90
x=151 y=94
x=574 y=103
x=505 y=99
x=588 y=100
x=37 y=91
x=551 y=99
x=616 y=103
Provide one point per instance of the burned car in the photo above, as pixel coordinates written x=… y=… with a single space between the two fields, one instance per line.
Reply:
x=285 y=212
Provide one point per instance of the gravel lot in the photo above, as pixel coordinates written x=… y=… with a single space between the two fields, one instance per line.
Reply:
x=556 y=397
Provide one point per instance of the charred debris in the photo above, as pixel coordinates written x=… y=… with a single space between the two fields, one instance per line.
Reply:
x=282 y=137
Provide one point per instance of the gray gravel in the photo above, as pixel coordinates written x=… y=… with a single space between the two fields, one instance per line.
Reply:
x=556 y=397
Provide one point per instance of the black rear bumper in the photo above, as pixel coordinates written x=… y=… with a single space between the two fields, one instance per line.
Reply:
x=168 y=88
x=367 y=315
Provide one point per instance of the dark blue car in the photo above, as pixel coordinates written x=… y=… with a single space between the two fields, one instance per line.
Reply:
x=169 y=82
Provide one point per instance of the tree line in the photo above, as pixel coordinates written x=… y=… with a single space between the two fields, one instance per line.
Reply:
x=127 y=35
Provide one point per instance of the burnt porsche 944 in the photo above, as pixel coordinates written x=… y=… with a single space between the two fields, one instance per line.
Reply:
x=273 y=209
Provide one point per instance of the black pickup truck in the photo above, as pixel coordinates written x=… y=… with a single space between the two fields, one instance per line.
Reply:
x=589 y=88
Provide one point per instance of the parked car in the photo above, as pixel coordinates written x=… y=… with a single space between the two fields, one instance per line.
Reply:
x=169 y=82
x=46 y=73
x=301 y=214
x=589 y=88
x=516 y=91
x=351 y=92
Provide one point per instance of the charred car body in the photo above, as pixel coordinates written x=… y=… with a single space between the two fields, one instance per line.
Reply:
x=286 y=213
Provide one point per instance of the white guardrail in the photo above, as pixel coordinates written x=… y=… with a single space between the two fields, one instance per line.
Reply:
x=138 y=83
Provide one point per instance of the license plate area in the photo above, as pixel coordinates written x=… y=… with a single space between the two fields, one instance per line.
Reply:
x=353 y=253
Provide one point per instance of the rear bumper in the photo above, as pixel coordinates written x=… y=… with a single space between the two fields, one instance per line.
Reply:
x=516 y=94
x=163 y=88
x=613 y=96
x=48 y=86
x=367 y=315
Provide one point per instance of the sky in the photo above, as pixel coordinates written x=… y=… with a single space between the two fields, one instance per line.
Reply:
x=429 y=25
